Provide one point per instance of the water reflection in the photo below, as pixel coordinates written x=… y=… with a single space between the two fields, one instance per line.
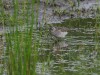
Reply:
x=73 y=54
x=59 y=46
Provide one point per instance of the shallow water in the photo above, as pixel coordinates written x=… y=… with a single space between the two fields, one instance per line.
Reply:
x=77 y=54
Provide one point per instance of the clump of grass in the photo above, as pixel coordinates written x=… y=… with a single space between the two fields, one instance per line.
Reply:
x=97 y=27
x=8 y=19
x=59 y=12
x=21 y=55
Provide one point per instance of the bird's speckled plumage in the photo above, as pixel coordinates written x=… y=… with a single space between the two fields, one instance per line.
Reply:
x=59 y=32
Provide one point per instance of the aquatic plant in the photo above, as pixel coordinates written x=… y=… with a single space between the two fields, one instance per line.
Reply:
x=19 y=46
x=22 y=46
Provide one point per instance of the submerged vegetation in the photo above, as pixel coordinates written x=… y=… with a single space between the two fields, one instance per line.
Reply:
x=28 y=48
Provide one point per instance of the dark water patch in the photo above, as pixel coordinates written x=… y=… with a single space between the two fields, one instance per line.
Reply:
x=78 y=23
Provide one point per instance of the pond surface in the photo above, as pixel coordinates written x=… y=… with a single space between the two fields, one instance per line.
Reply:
x=77 y=54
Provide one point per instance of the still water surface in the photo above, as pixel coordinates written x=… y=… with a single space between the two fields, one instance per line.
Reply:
x=77 y=54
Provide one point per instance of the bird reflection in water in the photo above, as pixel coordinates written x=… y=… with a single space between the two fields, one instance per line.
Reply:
x=59 y=46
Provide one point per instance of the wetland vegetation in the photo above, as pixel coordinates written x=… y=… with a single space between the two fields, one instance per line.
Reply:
x=27 y=46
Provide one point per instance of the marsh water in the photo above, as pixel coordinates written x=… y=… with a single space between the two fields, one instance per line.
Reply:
x=76 y=54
